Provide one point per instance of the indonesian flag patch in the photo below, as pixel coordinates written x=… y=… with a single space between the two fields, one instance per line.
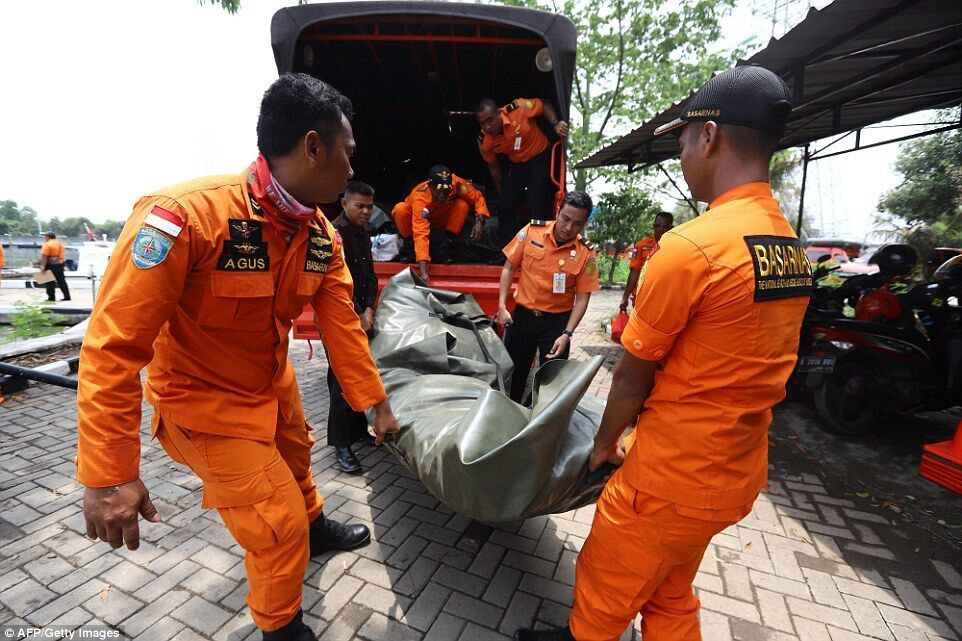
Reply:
x=166 y=221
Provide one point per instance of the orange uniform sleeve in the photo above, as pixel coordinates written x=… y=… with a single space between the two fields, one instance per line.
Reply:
x=587 y=280
x=533 y=107
x=641 y=255
x=470 y=193
x=421 y=226
x=346 y=342
x=132 y=305
x=2 y=258
x=674 y=280
x=514 y=250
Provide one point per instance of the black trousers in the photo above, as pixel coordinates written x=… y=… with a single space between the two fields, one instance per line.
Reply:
x=57 y=270
x=344 y=425
x=528 y=333
x=530 y=183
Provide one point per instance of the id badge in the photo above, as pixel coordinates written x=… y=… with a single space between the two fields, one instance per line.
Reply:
x=517 y=143
x=558 y=284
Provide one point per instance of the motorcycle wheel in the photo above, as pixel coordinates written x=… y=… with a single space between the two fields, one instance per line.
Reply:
x=841 y=409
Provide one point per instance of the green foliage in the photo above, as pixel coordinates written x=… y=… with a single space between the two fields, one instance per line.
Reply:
x=931 y=188
x=616 y=268
x=232 y=6
x=620 y=220
x=31 y=320
x=17 y=221
x=635 y=58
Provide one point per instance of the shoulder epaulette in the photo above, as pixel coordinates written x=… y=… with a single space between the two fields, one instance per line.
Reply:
x=480 y=137
x=587 y=244
x=538 y=223
x=422 y=187
x=511 y=106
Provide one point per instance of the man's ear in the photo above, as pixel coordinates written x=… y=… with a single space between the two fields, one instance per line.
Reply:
x=343 y=203
x=315 y=149
x=709 y=137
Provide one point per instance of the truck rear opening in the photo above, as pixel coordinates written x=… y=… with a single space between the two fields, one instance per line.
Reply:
x=415 y=72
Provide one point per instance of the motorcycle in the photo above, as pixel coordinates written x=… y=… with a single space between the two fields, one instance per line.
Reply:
x=901 y=353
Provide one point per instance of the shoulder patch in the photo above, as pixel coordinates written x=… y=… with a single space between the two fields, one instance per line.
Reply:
x=781 y=267
x=422 y=187
x=150 y=247
x=591 y=267
x=522 y=235
x=538 y=223
x=528 y=104
x=463 y=189
x=166 y=221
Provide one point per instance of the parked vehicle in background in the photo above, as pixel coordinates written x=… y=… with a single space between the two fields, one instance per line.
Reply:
x=902 y=353
x=851 y=248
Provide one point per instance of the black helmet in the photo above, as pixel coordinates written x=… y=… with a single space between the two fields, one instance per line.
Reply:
x=894 y=260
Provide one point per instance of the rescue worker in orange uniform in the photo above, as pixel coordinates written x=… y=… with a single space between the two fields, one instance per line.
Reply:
x=205 y=280
x=558 y=273
x=709 y=348
x=435 y=212
x=52 y=258
x=512 y=131
x=641 y=251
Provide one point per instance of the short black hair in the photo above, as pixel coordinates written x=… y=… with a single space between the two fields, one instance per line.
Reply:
x=357 y=188
x=578 y=199
x=295 y=104
x=665 y=214
x=749 y=142
x=50 y=234
x=484 y=104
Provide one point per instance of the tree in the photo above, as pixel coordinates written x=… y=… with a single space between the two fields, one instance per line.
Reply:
x=635 y=58
x=17 y=221
x=621 y=219
x=931 y=189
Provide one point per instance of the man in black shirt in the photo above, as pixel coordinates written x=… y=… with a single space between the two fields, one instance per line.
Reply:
x=344 y=425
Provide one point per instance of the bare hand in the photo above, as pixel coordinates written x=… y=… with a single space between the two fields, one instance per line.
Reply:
x=503 y=318
x=561 y=128
x=111 y=513
x=560 y=345
x=624 y=305
x=367 y=319
x=384 y=422
x=476 y=231
x=614 y=454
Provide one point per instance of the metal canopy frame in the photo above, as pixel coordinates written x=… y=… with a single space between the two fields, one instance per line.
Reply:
x=851 y=65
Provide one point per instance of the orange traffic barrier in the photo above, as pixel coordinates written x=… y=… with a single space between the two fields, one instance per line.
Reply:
x=942 y=462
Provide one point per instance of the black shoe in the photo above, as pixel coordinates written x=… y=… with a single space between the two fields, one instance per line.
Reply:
x=296 y=630
x=347 y=461
x=366 y=439
x=328 y=535
x=558 y=634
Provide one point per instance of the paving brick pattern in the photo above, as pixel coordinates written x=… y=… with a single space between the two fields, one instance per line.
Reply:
x=810 y=562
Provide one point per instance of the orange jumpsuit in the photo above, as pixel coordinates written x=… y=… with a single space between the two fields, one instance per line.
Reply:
x=720 y=306
x=449 y=215
x=206 y=305
x=521 y=139
x=642 y=249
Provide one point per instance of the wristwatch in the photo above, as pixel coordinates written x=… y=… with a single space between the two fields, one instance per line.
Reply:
x=568 y=333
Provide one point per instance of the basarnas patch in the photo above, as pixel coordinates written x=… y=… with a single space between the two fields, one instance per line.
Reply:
x=150 y=247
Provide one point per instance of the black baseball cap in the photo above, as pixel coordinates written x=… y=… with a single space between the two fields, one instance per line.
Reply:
x=750 y=96
x=440 y=175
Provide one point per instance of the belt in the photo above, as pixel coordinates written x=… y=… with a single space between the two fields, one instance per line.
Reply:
x=538 y=314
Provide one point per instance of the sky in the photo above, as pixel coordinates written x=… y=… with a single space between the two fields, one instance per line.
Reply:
x=105 y=100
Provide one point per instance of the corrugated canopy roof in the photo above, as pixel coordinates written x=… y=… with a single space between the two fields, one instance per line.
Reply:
x=852 y=64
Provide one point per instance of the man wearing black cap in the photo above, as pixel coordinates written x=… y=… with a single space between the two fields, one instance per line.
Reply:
x=434 y=214
x=717 y=315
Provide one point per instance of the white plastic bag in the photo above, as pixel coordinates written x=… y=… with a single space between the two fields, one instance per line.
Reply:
x=384 y=247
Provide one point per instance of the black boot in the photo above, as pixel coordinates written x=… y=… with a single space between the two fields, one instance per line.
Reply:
x=366 y=439
x=328 y=535
x=296 y=630
x=347 y=461
x=558 y=634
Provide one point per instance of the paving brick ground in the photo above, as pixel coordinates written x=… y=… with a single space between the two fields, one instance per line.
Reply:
x=811 y=562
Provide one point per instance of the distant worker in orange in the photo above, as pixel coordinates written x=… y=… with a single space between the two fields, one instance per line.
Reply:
x=558 y=273
x=512 y=131
x=3 y=261
x=641 y=251
x=205 y=280
x=710 y=345
x=434 y=214
x=52 y=258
